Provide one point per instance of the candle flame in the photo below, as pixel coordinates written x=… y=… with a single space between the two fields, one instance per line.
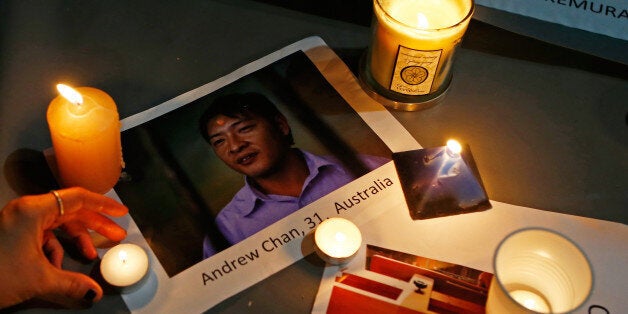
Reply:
x=421 y=21
x=70 y=94
x=454 y=147
x=123 y=255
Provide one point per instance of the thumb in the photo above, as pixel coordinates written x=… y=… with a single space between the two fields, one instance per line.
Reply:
x=71 y=289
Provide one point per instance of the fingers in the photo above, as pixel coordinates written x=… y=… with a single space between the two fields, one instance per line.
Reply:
x=26 y=228
x=76 y=198
x=98 y=223
x=81 y=238
x=71 y=289
x=46 y=210
x=53 y=249
x=104 y=226
x=77 y=230
x=82 y=210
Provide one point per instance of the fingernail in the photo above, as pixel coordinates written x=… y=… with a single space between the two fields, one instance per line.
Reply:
x=90 y=295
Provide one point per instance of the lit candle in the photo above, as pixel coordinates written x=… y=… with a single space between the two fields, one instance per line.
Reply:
x=453 y=161
x=337 y=240
x=441 y=181
x=453 y=148
x=414 y=42
x=124 y=266
x=85 y=131
x=530 y=300
x=538 y=271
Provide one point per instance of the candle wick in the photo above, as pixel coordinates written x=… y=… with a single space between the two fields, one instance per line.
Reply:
x=428 y=159
x=123 y=256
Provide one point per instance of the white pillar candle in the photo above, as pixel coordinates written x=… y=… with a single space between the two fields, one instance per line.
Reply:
x=124 y=266
x=337 y=240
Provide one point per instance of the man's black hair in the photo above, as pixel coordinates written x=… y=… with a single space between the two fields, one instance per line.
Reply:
x=241 y=105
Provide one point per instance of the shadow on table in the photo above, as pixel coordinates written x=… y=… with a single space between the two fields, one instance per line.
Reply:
x=27 y=172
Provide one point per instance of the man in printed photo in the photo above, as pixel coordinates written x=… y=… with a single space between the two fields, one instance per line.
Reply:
x=251 y=136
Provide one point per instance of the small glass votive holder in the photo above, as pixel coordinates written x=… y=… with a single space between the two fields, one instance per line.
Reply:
x=408 y=65
x=538 y=271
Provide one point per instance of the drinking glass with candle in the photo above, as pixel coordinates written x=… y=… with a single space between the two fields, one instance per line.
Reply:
x=85 y=130
x=408 y=65
x=538 y=271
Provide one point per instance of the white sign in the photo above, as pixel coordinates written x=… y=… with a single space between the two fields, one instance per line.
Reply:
x=606 y=17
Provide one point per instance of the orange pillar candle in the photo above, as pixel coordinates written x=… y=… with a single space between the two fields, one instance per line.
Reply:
x=85 y=130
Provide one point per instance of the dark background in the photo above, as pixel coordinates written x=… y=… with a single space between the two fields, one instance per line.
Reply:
x=542 y=106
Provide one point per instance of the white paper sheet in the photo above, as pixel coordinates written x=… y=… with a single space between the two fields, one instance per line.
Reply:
x=471 y=239
x=468 y=239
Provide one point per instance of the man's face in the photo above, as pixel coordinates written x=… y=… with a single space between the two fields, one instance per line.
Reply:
x=249 y=145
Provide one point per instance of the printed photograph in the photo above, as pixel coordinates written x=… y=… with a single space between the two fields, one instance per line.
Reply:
x=206 y=176
x=397 y=282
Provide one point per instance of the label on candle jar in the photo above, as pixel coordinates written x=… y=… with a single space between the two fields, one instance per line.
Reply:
x=414 y=71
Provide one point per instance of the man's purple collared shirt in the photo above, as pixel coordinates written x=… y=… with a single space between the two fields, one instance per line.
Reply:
x=251 y=211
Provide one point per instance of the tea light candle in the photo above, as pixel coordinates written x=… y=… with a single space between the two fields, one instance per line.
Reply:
x=85 y=131
x=124 y=266
x=337 y=240
x=414 y=41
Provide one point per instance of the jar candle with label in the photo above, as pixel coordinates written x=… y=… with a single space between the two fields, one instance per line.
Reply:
x=412 y=47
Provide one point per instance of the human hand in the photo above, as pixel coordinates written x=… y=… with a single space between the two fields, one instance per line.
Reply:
x=31 y=255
